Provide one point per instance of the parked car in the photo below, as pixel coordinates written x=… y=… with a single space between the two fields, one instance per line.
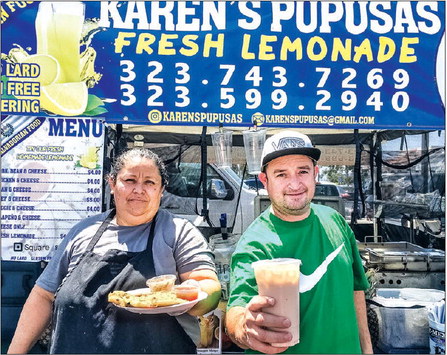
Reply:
x=346 y=192
x=226 y=193
x=328 y=194
x=254 y=184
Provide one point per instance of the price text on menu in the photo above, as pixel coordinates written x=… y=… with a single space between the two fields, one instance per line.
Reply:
x=52 y=178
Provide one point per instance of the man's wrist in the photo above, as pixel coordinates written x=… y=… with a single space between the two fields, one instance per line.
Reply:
x=234 y=326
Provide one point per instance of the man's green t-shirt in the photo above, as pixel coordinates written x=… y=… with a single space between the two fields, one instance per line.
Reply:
x=328 y=323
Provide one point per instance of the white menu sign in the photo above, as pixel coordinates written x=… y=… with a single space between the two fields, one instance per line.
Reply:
x=52 y=177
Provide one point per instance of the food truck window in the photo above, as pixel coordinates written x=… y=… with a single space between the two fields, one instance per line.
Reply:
x=184 y=180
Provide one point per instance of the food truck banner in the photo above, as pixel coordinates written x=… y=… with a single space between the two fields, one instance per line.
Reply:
x=353 y=64
x=51 y=178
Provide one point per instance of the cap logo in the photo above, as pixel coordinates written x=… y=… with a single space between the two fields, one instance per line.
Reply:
x=288 y=143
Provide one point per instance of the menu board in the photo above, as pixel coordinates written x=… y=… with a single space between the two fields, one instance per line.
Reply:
x=51 y=176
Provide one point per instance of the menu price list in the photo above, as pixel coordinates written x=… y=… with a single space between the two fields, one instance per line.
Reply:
x=40 y=206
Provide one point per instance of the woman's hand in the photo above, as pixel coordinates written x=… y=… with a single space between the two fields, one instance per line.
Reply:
x=208 y=282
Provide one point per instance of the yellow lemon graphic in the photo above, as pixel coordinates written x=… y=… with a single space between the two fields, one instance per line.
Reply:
x=89 y=159
x=64 y=99
x=49 y=68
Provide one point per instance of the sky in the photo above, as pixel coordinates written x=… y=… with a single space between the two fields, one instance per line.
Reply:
x=414 y=142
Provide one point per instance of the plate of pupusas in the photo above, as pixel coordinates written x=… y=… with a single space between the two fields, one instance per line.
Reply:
x=161 y=296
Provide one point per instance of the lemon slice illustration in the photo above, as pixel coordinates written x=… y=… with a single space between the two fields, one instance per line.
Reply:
x=64 y=99
x=90 y=159
x=49 y=68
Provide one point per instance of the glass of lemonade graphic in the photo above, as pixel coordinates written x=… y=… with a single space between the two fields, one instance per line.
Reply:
x=58 y=30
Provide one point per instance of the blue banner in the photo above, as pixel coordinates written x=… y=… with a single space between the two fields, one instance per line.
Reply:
x=365 y=65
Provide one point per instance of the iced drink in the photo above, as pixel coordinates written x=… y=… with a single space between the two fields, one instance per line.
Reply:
x=58 y=30
x=279 y=278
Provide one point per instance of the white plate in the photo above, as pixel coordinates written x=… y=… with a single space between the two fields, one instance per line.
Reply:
x=182 y=307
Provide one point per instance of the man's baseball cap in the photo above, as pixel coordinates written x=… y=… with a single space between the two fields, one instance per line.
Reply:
x=287 y=143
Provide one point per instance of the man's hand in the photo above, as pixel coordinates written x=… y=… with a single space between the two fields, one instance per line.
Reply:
x=252 y=328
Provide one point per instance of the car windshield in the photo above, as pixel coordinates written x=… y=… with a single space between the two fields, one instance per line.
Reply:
x=254 y=184
x=341 y=190
x=231 y=172
x=326 y=190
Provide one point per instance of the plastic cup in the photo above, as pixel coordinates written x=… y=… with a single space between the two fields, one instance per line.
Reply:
x=187 y=292
x=222 y=143
x=279 y=278
x=253 y=145
x=161 y=283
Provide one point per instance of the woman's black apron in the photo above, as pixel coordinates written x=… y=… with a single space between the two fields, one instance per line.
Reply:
x=85 y=322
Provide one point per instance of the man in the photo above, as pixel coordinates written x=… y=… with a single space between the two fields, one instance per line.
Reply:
x=332 y=282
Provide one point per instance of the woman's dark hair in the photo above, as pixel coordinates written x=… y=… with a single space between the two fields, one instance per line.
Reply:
x=121 y=160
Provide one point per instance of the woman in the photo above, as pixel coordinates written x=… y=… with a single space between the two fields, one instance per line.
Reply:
x=119 y=250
